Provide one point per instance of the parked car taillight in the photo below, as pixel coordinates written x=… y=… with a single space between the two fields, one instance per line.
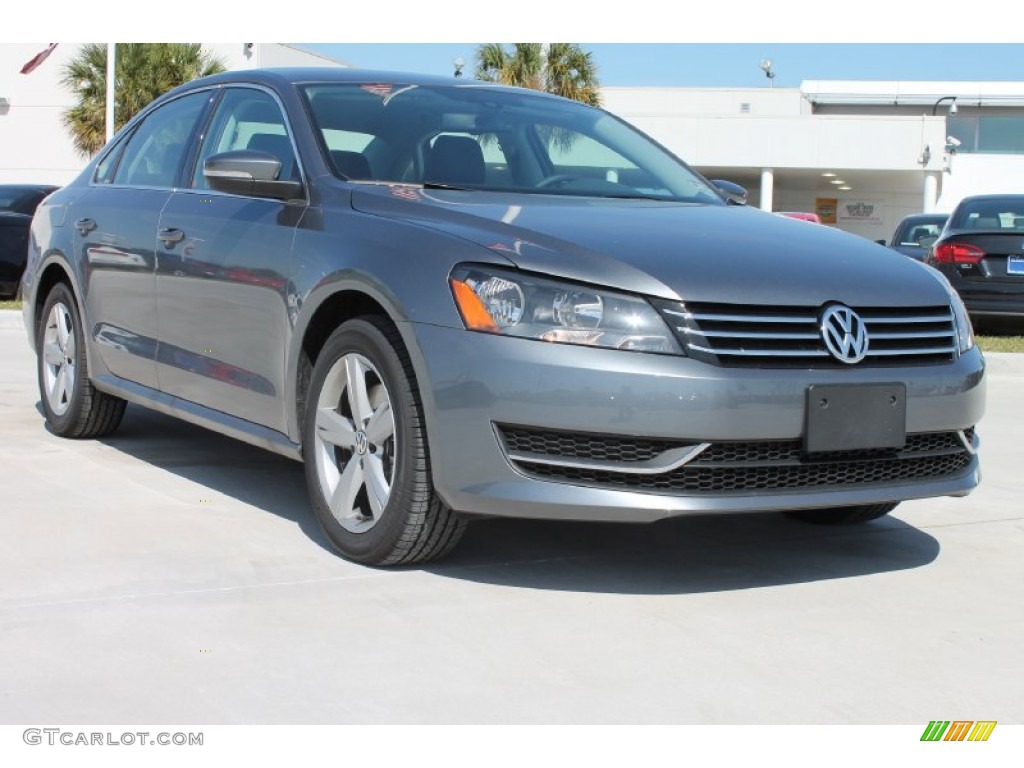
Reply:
x=958 y=253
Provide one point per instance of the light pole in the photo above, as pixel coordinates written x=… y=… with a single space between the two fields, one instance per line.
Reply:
x=952 y=107
x=111 y=79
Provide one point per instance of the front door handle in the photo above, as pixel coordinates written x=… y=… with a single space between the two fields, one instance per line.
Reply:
x=85 y=226
x=170 y=236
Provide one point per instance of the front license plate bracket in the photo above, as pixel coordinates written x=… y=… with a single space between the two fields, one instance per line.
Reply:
x=850 y=417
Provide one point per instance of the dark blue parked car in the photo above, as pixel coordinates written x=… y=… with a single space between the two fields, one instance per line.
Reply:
x=915 y=234
x=17 y=204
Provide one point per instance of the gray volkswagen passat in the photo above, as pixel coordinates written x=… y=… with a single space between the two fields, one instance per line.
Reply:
x=453 y=299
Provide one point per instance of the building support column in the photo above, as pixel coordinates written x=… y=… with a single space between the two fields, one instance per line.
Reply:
x=767 y=188
x=931 y=191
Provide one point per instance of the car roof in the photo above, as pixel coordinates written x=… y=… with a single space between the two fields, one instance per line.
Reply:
x=285 y=76
x=986 y=198
x=30 y=187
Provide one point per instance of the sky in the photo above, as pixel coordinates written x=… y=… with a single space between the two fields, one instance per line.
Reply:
x=726 y=64
x=639 y=42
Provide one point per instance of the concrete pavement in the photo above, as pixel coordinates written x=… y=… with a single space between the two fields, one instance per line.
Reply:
x=170 y=575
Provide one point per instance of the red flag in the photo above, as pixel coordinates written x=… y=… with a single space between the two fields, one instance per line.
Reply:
x=38 y=59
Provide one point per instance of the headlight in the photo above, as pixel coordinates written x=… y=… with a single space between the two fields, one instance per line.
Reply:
x=512 y=304
x=964 y=331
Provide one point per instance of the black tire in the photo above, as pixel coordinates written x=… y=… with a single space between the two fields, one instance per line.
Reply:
x=87 y=413
x=843 y=515
x=414 y=525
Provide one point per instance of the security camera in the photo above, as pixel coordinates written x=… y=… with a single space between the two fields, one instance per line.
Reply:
x=953 y=141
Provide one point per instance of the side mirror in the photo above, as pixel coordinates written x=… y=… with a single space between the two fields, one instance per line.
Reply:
x=880 y=242
x=733 y=193
x=249 y=172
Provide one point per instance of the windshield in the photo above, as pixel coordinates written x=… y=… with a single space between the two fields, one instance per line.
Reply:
x=998 y=214
x=918 y=228
x=478 y=137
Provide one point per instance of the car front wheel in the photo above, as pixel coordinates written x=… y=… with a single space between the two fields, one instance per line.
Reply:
x=365 y=450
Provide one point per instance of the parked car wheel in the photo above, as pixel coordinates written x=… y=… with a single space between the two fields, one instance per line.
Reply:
x=843 y=515
x=365 y=449
x=73 y=406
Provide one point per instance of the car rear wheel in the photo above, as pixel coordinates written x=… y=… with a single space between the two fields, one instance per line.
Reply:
x=843 y=515
x=73 y=406
x=365 y=450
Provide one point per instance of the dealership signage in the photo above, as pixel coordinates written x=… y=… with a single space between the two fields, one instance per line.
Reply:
x=859 y=212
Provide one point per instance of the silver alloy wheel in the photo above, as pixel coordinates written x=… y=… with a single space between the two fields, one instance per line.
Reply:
x=59 y=359
x=355 y=445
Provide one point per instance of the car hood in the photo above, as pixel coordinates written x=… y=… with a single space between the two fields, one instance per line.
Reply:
x=12 y=219
x=708 y=253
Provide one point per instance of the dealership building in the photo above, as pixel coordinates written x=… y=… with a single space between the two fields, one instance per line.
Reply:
x=861 y=154
x=35 y=147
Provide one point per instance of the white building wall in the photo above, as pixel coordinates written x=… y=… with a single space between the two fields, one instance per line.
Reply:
x=750 y=130
x=705 y=128
x=34 y=145
x=238 y=56
x=701 y=102
x=981 y=175
x=893 y=205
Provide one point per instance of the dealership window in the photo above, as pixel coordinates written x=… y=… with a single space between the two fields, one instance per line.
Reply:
x=993 y=134
x=1002 y=134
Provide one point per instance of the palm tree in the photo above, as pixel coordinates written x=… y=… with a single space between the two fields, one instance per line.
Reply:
x=563 y=69
x=143 y=72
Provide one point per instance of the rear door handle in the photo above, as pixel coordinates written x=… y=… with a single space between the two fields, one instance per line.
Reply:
x=85 y=226
x=170 y=236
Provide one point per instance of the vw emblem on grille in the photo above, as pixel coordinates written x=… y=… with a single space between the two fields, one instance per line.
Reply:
x=844 y=334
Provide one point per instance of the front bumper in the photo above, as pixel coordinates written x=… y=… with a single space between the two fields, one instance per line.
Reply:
x=471 y=382
x=987 y=305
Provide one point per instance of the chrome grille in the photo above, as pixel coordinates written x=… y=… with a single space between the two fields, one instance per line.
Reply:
x=730 y=467
x=749 y=479
x=579 y=445
x=778 y=336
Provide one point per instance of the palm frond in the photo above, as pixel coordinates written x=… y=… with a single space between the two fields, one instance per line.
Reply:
x=564 y=69
x=144 y=71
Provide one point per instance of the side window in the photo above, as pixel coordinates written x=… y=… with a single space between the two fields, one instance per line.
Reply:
x=247 y=119
x=105 y=170
x=156 y=150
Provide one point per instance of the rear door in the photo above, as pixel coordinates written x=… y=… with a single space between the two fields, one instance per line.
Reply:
x=223 y=276
x=116 y=225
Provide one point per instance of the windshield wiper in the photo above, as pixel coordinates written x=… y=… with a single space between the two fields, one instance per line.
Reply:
x=637 y=196
x=456 y=187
